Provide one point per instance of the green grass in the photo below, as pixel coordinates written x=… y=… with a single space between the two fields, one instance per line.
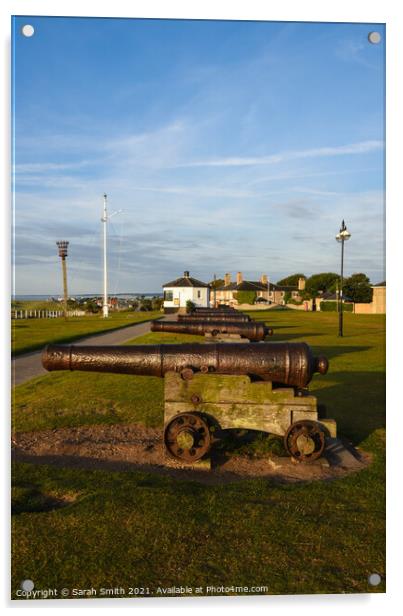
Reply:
x=138 y=529
x=36 y=305
x=32 y=334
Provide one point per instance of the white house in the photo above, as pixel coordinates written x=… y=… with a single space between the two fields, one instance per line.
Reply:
x=179 y=291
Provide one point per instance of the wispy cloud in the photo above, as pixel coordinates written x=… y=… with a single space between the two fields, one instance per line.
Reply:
x=353 y=50
x=47 y=166
x=354 y=148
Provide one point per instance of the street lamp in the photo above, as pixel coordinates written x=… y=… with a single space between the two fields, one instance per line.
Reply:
x=342 y=236
x=62 y=246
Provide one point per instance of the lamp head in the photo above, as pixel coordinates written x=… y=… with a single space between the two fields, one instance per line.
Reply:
x=343 y=235
x=62 y=246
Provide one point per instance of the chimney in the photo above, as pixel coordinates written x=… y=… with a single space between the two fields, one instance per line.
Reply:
x=301 y=284
x=186 y=274
x=227 y=279
x=239 y=278
x=263 y=279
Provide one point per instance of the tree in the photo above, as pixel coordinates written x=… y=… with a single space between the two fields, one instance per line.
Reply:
x=317 y=283
x=146 y=304
x=357 y=288
x=157 y=303
x=218 y=282
x=291 y=281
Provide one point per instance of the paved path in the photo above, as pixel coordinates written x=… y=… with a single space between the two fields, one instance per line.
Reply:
x=28 y=366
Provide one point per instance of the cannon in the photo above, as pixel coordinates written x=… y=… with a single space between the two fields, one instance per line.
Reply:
x=252 y=331
x=220 y=307
x=285 y=363
x=222 y=316
x=214 y=387
x=215 y=311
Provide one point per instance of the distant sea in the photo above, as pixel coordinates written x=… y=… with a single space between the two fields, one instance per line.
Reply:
x=33 y=298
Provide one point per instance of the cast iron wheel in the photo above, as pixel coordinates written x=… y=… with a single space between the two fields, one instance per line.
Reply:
x=305 y=440
x=187 y=437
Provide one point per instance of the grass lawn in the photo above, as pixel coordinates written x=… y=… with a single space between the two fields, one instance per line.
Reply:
x=31 y=334
x=140 y=530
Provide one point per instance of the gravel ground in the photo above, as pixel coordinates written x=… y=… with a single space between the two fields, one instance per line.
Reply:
x=134 y=447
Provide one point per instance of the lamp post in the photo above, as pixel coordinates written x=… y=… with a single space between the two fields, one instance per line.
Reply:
x=342 y=236
x=62 y=246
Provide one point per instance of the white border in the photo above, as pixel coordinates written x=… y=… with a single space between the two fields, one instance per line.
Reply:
x=381 y=11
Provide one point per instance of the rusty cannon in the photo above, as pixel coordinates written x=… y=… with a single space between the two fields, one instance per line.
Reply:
x=215 y=387
x=221 y=316
x=214 y=308
x=252 y=331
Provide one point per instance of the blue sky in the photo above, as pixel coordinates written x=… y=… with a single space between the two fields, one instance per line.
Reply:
x=229 y=146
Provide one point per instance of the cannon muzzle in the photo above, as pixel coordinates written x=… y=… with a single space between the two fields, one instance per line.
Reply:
x=284 y=363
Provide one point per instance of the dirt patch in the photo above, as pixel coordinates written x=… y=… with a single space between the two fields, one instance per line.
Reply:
x=134 y=447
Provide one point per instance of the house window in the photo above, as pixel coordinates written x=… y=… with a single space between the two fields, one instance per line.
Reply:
x=198 y=294
x=168 y=296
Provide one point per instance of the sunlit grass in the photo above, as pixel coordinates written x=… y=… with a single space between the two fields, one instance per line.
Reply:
x=31 y=334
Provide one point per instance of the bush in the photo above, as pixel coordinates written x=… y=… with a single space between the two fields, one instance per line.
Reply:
x=190 y=306
x=91 y=306
x=332 y=307
x=295 y=302
x=245 y=297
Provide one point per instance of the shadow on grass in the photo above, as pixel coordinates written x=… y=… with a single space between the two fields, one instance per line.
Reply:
x=274 y=324
x=286 y=337
x=336 y=351
x=30 y=499
x=357 y=401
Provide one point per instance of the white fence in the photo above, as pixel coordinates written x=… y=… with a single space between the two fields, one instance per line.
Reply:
x=44 y=314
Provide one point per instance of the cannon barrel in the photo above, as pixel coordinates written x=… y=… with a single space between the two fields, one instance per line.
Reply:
x=211 y=312
x=225 y=308
x=251 y=330
x=198 y=316
x=284 y=363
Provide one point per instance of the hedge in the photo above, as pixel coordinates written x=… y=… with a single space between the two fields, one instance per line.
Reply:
x=332 y=307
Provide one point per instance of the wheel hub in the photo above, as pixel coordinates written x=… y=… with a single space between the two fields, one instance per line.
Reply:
x=187 y=437
x=305 y=440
